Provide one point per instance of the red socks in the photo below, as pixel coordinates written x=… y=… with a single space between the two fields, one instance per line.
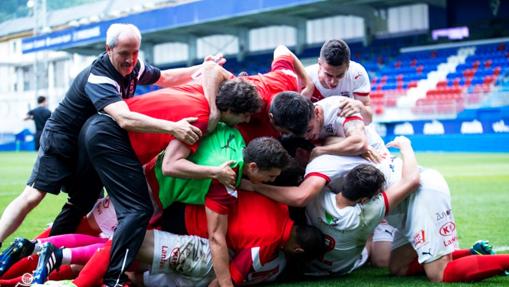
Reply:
x=93 y=272
x=475 y=268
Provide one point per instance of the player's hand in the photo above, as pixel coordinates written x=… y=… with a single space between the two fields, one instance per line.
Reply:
x=348 y=107
x=372 y=155
x=213 y=120
x=185 y=132
x=225 y=174
x=315 y=152
x=218 y=58
x=400 y=142
x=307 y=91
x=247 y=185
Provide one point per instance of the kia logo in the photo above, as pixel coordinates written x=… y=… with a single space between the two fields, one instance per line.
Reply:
x=447 y=228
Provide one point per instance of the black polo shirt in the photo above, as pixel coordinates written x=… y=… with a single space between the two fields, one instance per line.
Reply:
x=97 y=86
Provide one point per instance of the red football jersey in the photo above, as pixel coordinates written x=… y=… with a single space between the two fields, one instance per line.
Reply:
x=282 y=77
x=257 y=228
x=172 y=104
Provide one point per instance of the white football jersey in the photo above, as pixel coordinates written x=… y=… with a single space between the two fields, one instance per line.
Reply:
x=333 y=125
x=346 y=231
x=355 y=82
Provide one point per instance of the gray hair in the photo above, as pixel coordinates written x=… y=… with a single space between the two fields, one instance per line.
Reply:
x=116 y=29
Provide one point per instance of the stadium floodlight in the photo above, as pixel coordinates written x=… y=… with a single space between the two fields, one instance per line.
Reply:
x=30 y=4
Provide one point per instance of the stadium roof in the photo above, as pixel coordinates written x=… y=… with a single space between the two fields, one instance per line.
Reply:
x=191 y=19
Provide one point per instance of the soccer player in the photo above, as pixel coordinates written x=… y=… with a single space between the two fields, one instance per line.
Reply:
x=257 y=229
x=287 y=74
x=261 y=161
x=101 y=87
x=117 y=156
x=336 y=75
x=351 y=135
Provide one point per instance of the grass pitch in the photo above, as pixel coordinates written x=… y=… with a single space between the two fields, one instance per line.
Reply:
x=479 y=186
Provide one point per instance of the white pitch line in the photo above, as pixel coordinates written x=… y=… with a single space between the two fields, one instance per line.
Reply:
x=501 y=248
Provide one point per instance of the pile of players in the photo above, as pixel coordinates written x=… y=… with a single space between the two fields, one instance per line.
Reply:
x=222 y=180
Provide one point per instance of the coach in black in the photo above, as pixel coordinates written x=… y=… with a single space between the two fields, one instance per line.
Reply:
x=101 y=87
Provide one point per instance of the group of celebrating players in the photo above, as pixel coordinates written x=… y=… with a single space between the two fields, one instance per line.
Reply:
x=217 y=179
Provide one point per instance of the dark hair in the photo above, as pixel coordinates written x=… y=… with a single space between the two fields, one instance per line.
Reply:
x=292 y=175
x=312 y=240
x=335 y=52
x=267 y=153
x=238 y=97
x=292 y=112
x=41 y=99
x=363 y=180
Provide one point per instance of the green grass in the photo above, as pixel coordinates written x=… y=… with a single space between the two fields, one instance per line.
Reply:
x=479 y=185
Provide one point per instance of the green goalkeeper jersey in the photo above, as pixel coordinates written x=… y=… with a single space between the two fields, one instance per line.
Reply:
x=223 y=144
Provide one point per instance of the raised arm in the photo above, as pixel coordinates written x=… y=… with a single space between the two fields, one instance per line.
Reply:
x=305 y=81
x=180 y=76
x=409 y=175
x=212 y=77
x=175 y=163
x=293 y=196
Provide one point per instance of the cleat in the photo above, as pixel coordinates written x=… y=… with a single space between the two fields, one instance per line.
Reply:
x=50 y=259
x=20 y=248
x=482 y=247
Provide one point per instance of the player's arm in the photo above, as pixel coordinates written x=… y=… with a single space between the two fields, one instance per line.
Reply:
x=217 y=226
x=304 y=80
x=213 y=76
x=176 y=164
x=291 y=195
x=181 y=76
x=133 y=121
x=355 y=142
x=410 y=178
x=349 y=107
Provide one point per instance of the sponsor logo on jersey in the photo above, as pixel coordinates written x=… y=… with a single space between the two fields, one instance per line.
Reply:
x=427 y=253
x=447 y=229
x=357 y=76
x=26 y=280
x=419 y=238
x=164 y=256
x=450 y=241
x=227 y=145
x=443 y=214
x=174 y=256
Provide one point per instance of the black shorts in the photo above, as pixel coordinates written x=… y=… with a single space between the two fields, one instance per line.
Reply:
x=55 y=163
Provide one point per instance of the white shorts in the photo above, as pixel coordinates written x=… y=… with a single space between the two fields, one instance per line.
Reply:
x=172 y=279
x=188 y=256
x=428 y=223
x=384 y=232
x=105 y=216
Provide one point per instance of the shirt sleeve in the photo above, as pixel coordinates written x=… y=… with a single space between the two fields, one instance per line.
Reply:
x=283 y=63
x=362 y=84
x=220 y=199
x=148 y=74
x=102 y=91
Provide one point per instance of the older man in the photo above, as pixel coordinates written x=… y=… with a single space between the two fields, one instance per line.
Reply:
x=101 y=87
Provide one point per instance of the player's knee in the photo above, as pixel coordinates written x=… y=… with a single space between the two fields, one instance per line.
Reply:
x=31 y=197
x=380 y=261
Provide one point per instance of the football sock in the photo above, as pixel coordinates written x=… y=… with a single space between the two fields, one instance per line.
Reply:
x=475 y=268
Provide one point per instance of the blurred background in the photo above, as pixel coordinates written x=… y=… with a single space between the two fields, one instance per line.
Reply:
x=439 y=69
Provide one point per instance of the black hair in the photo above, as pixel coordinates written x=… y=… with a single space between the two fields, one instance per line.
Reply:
x=292 y=112
x=267 y=153
x=335 y=52
x=312 y=240
x=362 y=181
x=41 y=99
x=238 y=97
